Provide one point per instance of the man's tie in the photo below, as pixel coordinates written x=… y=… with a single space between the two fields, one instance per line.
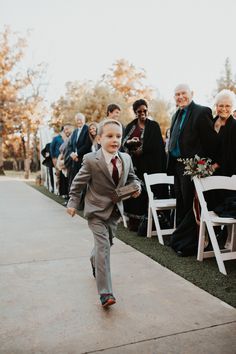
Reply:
x=115 y=172
x=176 y=131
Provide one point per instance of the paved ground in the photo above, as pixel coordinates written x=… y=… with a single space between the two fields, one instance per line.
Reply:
x=48 y=299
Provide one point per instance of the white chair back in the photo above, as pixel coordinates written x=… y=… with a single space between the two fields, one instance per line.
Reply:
x=209 y=219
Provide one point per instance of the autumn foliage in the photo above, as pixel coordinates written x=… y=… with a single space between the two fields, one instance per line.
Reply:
x=21 y=108
x=123 y=84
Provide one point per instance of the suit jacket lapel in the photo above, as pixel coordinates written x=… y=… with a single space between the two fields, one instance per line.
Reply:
x=188 y=114
x=73 y=139
x=124 y=170
x=174 y=119
x=81 y=135
x=102 y=165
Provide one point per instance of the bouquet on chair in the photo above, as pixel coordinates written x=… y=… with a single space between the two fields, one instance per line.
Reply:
x=198 y=166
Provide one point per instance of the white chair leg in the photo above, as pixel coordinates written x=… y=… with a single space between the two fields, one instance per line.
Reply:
x=149 y=226
x=174 y=227
x=201 y=241
x=229 y=241
x=124 y=221
x=216 y=249
x=158 y=228
x=233 y=240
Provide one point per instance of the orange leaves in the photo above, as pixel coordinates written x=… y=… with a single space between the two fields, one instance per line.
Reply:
x=21 y=109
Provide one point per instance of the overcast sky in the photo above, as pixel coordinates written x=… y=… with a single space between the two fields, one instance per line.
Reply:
x=173 y=40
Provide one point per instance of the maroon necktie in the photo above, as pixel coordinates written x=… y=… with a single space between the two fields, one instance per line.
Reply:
x=115 y=172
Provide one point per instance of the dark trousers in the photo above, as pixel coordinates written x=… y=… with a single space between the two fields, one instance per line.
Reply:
x=72 y=172
x=184 y=192
x=63 y=184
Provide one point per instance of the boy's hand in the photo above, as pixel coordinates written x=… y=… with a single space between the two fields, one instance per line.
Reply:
x=71 y=211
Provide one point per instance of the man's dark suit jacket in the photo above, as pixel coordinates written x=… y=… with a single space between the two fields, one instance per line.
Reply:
x=197 y=135
x=82 y=146
x=47 y=157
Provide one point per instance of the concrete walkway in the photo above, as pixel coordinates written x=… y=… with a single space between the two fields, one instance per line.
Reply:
x=48 y=298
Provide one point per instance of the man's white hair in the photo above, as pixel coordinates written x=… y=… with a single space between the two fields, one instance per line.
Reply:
x=225 y=94
x=183 y=86
x=80 y=116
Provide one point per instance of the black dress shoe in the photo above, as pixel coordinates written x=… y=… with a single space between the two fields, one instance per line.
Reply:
x=93 y=271
x=180 y=253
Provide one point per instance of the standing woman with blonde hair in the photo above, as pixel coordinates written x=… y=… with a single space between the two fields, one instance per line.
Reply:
x=92 y=130
x=225 y=126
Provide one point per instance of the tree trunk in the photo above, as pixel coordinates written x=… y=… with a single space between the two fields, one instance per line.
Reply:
x=35 y=154
x=26 y=168
x=27 y=153
x=1 y=152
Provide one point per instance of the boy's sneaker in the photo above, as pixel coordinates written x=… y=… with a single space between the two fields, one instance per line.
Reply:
x=107 y=300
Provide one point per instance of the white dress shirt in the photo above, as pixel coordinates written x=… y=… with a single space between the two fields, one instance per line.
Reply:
x=78 y=134
x=108 y=157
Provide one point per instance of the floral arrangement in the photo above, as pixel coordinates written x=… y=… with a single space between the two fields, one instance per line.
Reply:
x=198 y=166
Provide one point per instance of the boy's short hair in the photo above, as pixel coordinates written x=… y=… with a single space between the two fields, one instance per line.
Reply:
x=111 y=107
x=107 y=122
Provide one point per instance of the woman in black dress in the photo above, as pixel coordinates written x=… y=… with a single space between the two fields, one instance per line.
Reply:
x=143 y=141
x=225 y=125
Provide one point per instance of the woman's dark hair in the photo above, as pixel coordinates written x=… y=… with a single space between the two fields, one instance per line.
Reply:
x=139 y=103
x=111 y=107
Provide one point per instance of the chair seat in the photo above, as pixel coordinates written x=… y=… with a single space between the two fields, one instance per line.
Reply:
x=217 y=220
x=164 y=203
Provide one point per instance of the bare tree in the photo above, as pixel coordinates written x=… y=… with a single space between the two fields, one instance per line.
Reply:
x=227 y=79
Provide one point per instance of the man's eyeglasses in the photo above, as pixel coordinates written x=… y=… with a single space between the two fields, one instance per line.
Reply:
x=142 y=111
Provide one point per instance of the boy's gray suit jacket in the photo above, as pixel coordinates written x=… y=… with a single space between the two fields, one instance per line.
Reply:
x=100 y=186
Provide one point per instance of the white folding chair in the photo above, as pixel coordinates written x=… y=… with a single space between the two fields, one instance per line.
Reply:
x=124 y=221
x=155 y=205
x=210 y=219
